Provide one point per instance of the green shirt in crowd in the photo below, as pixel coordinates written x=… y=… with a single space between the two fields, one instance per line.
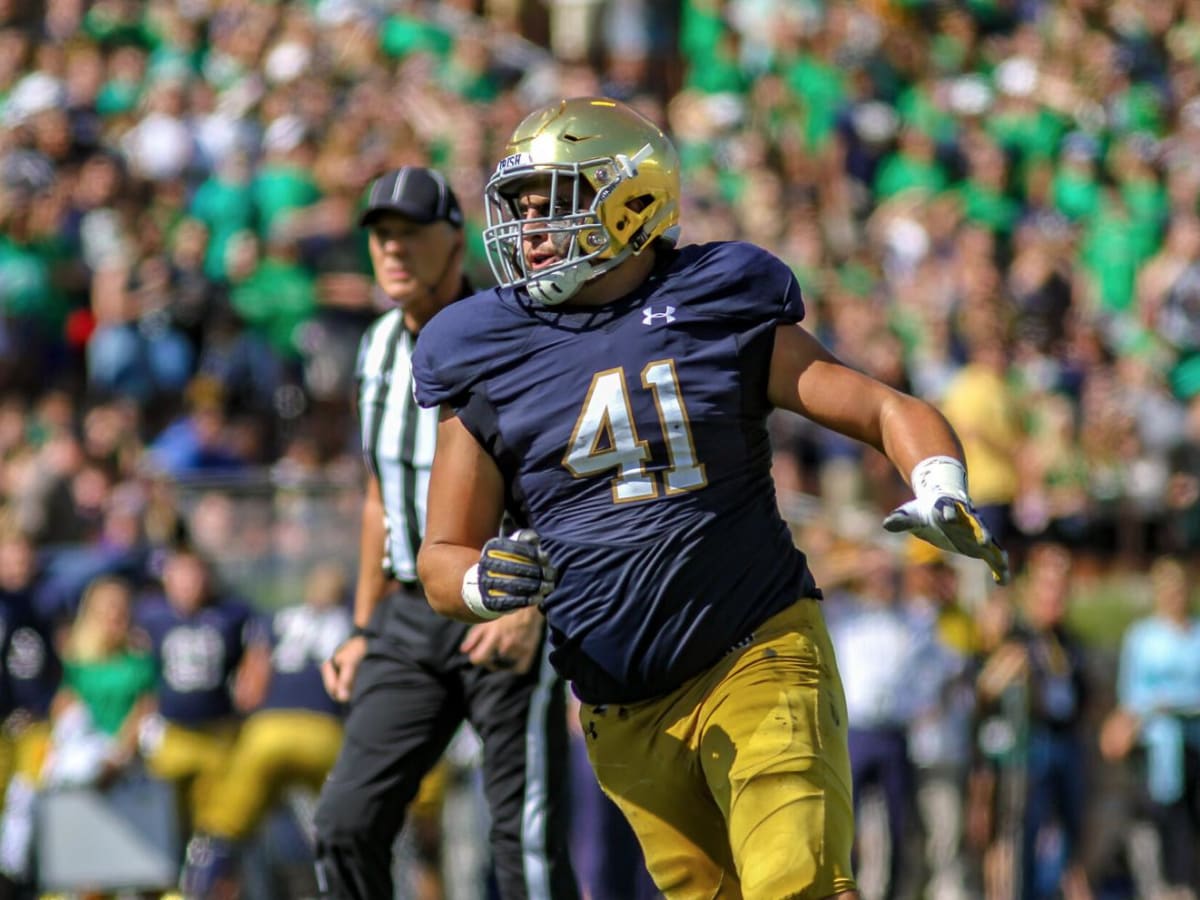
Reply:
x=27 y=287
x=1076 y=193
x=277 y=189
x=1032 y=134
x=984 y=205
x=1111 y=252
x=275 y=301
x=111 y=687
x=402 y=35
x=899 y=173
x=226 y=208
x=823 y=90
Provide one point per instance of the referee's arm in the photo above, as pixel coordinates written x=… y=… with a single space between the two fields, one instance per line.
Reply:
x=372 y=582
x=339 y=670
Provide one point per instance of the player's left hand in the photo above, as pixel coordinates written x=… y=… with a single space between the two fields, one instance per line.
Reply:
x=509 y=643
x=942 y=514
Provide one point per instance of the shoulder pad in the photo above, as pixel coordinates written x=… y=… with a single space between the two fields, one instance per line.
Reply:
x=737 y=280
x=463 y=343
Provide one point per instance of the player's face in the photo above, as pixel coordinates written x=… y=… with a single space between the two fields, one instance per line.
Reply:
x=185 y=578
x=411 y=260
x=543 y=247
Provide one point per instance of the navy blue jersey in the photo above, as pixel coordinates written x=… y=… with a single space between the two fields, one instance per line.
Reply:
x=197 y=655
x=29 y=669
x=633 y=438
x=301 y=639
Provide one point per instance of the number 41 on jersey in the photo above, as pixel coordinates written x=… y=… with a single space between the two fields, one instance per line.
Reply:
x=605 y=436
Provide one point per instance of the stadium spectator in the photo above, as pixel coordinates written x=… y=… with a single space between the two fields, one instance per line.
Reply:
x=1040 y=668
x=941 y=730
x=30 y=673
x=200 y=440
x=107 y=689
x=886 y=661
x=1159 y=712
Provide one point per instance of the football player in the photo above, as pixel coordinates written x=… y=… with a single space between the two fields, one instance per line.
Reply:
x=30 y=672
x=290 y=738
x=612 y=393
x=198 y=635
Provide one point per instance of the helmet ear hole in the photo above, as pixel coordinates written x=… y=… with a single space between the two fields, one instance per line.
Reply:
x=638 y=203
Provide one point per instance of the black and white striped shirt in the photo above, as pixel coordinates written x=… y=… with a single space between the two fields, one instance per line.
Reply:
x=398 y=438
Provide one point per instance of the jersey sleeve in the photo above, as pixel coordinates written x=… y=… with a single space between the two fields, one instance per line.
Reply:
x=457 y=349
x=744 y=284
x=779 y=301
x=792 y=308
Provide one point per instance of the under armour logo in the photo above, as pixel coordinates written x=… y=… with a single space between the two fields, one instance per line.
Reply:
x=649 y=316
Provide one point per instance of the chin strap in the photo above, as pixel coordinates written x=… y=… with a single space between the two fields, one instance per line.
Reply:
x=559 y=287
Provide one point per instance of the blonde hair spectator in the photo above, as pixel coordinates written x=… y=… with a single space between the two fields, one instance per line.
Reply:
x=101 y=627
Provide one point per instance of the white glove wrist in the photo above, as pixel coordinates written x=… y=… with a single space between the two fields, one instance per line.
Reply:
x=941 y=513
x=472 y=596
x=939 y=476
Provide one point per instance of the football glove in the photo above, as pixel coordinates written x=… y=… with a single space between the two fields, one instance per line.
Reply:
x=513 y=572
x=942 y=514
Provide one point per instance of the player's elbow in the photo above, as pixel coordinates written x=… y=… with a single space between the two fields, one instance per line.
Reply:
x=443 y=590
x=444 y=604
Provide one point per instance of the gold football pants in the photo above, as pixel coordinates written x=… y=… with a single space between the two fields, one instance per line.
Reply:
x=737 y=784
x=194 y=759
x=275 y=749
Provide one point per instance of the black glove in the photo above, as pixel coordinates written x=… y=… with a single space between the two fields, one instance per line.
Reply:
x=514 y=572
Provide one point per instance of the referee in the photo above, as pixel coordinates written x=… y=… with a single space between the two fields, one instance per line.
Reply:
x=411 y=677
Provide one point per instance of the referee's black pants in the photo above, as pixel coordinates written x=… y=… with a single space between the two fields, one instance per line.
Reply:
x=412 y=691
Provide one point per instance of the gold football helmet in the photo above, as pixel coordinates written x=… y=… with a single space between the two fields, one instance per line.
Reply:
x=611 y=178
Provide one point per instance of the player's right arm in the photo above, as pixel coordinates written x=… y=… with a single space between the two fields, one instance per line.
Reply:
x=463 y=511
x=339 y=670
x=807 y=379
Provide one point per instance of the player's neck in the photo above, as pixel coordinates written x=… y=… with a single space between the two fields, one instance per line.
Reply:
x=617 y=283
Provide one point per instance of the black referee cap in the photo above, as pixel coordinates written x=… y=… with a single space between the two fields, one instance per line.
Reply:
x=419 y=194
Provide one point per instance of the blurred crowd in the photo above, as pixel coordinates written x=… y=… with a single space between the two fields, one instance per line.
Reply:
x=992 y=204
